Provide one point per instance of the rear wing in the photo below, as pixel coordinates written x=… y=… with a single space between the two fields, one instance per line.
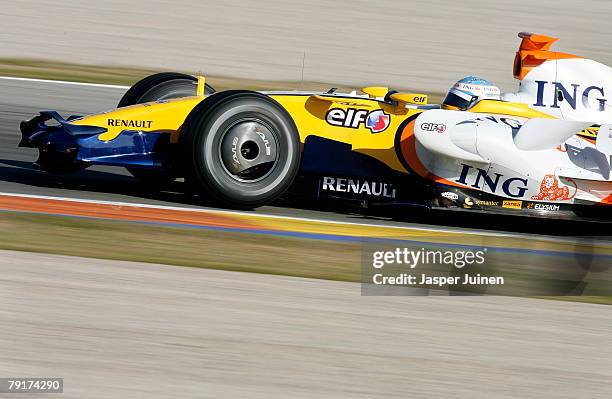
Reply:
x=534 y=51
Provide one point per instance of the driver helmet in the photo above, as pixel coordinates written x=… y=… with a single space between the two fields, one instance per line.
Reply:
x=467 y=91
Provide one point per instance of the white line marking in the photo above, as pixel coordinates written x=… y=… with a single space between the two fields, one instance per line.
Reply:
x=64 y=82
x=293 y=218
x=228 y=212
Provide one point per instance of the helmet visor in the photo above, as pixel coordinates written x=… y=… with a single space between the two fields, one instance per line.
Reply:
x=458 y=99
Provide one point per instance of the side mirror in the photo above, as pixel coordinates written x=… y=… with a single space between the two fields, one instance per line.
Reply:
x=201 y=86
x=404 y=99
x=375 y=91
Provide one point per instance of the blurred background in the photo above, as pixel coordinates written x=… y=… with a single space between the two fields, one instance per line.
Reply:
x=273 y=315
x=421 y=45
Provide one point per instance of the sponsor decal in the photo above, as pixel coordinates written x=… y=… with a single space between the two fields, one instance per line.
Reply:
x=266 y=142
x=512 y=123
x=512 y=204
x=514 y=187
x=352 y=104
x=478 y=86
x=235 y=150
x=433 y=127
x=129 y=123
x=356 y=186
x=450 y=195
x=550 y=190
x=377 y=121
x=469 y=202
x=590 y=133
x=563 y=94
x=486 y=203
x=546 y=207
x=478 y=89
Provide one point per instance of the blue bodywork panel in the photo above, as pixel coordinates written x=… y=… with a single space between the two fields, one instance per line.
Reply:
x=328 y=157
x=130 y=148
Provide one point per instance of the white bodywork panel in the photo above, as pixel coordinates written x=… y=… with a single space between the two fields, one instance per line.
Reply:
x=513 y=157
x=530 y=159
x=574 y=89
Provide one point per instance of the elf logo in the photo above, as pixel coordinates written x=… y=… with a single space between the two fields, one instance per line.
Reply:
x=433 y=127
x=377 y=121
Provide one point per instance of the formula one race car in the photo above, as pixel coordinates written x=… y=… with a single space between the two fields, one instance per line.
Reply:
x=544 y=149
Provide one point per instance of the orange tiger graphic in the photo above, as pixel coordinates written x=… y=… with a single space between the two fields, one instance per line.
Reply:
x=550 y=190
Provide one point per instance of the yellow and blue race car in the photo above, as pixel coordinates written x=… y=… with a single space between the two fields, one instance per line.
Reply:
x=539 y=150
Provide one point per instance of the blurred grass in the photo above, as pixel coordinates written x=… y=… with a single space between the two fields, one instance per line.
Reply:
x=233 y=251
x=53 y=70
x=246 y=252
x=602 y=300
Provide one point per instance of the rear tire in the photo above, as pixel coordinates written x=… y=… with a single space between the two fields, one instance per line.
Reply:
x=161 y=86
x=243 y=150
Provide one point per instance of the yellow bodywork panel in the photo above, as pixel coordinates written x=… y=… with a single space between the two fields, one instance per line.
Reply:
x=163 y=116
x=346 y=119
x=308 y=111
x=375 y=91
x=201 y=86
x=410 y=98
x=351 y=101
x=331 y=116
x=507 y=108
x=310 y=114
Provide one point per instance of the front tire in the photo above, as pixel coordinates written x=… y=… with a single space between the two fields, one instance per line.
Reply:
x=243 y=150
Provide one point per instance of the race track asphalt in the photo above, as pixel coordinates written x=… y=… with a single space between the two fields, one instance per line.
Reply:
x=128 y=330
x=23 y=99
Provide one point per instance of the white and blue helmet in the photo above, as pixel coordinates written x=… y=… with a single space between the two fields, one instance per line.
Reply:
x=469 y=90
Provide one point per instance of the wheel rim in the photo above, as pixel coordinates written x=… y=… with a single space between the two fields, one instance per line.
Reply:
x=249 y=150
